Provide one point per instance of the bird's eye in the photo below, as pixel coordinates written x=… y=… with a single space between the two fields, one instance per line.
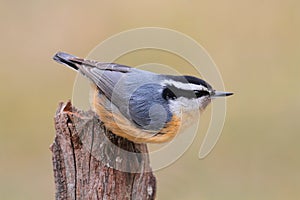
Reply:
x=168 y=94
x=201 y=93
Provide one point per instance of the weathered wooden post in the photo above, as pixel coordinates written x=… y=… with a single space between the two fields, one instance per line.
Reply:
x=90 y=162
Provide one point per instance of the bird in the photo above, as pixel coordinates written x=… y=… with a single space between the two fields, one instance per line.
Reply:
x=139 y=105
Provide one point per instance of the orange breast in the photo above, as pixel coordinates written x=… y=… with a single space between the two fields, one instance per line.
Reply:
x=121 y=126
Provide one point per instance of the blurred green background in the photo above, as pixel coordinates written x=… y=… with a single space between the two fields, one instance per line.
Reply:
x=254 y=43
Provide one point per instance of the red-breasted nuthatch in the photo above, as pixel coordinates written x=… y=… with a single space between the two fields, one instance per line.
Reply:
x=139 y=105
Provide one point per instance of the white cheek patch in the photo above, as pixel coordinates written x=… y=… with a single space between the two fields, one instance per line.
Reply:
x=182 y=104
x=186 y=109
x=184 y=86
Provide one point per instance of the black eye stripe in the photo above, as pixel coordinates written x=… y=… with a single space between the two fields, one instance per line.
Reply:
x=172 y=92
x=168 y=94
x=201 y=93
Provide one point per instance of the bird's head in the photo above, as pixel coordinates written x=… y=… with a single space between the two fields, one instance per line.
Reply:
x=188 y=93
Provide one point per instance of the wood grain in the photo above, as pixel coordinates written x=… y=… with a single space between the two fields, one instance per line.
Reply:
x=90 y=162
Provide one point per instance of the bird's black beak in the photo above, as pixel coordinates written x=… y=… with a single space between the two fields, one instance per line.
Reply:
x=217 y=94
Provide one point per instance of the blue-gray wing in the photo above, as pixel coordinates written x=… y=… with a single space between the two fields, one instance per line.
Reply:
x=104 y=75
x=148 y=109
x=134 y=92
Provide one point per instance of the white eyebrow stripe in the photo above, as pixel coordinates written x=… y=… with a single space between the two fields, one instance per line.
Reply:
x=184 y=86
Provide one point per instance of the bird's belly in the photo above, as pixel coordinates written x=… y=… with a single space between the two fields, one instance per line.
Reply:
x=121 y=126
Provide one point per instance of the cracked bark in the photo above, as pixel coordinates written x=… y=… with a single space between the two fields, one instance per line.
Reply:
x=90 y=162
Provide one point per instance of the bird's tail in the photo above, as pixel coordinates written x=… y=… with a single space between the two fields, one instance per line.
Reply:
x=65 y=59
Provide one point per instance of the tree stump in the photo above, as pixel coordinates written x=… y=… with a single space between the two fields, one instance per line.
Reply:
x=90 y=162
